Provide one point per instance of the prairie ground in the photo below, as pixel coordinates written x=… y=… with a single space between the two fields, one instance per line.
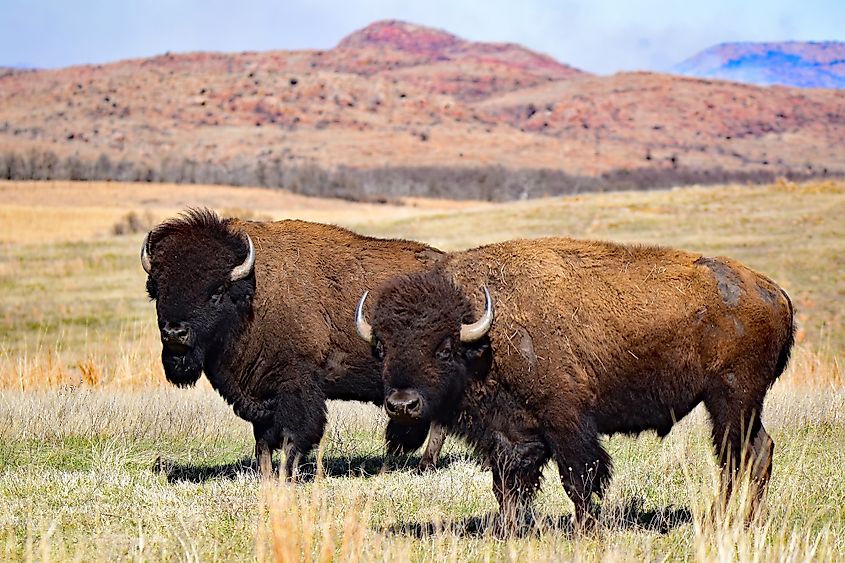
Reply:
x=100 y=459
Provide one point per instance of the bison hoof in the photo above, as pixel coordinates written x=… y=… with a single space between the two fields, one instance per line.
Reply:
x=512 y=526
x=426 y=465
x=587 y=525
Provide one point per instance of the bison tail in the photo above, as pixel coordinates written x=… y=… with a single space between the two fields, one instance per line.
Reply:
x=786 y=349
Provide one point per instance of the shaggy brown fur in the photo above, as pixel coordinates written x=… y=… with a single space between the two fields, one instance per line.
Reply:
x=278 y=343
x=589 y=338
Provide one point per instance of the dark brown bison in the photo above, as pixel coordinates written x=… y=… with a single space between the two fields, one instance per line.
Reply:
x=588 y=338
x=263 y=309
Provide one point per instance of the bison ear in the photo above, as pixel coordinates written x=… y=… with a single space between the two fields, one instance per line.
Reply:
x=242 y=294
x=479 y=357
x=152 y=288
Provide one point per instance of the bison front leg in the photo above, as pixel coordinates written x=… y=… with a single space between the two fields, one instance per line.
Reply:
x=293 y=458
x=517 y=470
x=584 y=468
x=436 y=437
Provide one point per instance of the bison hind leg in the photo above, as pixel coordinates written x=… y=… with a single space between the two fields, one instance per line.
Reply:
x=744 y=450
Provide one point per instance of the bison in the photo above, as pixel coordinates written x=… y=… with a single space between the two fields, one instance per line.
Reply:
x=587 y=339
x=262 y=308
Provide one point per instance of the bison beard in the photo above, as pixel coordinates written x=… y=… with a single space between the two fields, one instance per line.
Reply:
x=589 y=339
x=182 y=369
x=259 y=308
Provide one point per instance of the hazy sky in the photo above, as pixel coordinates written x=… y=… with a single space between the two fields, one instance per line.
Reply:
x=600 y=35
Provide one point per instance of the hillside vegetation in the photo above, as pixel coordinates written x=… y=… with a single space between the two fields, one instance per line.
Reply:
x=394 y=102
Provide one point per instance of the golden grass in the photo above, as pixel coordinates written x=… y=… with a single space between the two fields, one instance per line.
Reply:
x=45 y=212
x=74 y=308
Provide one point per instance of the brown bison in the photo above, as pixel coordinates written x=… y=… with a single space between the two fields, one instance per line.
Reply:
x=588 y=338
x=263 y=309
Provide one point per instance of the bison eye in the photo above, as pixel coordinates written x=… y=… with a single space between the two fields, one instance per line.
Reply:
x=444 y=351
x=217 y=295
x=378 y=350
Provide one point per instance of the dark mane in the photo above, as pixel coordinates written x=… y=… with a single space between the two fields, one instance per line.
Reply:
x=191 y=221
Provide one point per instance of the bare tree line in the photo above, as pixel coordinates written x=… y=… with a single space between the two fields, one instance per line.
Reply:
x=490 y=183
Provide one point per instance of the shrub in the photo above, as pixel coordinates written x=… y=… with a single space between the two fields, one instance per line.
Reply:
x=134 y=222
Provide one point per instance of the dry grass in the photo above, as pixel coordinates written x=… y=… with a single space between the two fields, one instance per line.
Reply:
x=74 y=296
x=54 y=212
x=99 y=459
x=165 y=473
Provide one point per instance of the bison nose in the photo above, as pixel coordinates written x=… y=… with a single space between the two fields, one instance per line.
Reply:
x=406 y=403
x=175 y=334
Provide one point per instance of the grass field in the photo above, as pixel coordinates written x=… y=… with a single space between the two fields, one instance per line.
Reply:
x=100 y=459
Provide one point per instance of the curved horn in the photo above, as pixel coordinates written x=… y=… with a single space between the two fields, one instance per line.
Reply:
x=242 y=271
x=477 y=330
x=145 y=254
x=365 y=331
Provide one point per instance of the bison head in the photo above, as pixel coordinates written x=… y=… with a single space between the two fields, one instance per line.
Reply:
x=200 y=274
x=430 y=347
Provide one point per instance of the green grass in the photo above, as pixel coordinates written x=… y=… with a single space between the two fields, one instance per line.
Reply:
x=96 y=474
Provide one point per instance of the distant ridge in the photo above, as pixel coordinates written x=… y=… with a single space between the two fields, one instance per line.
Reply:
x=414 y=106
x=789 y=63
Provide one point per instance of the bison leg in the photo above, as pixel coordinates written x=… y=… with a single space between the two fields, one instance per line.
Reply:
x=517 y=470
x=402 y=439
x=585 y=469
x=263 y=453
x=293 y=457
x=436 y=437
x=744 y=448
x=301 y=421
x=762 y=448
x=299 y=442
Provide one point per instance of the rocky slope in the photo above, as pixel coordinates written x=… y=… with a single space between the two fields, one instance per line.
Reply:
x=397 y=94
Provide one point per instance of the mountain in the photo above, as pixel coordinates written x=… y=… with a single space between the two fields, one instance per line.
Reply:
x=790 y=63
x=401 y=95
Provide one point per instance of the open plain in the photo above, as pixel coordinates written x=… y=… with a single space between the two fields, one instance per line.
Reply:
x=101 y=459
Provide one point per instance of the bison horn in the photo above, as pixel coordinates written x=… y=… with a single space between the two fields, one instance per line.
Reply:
x=145 y=254
x=477 y=330
x=364 y=329
x=242 y=271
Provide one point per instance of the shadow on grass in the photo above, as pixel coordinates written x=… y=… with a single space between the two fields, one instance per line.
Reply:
x=471 y=526
x=631 y=516
x=333 y=466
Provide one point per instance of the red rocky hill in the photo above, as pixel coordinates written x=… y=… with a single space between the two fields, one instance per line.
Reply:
x=397 y=94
